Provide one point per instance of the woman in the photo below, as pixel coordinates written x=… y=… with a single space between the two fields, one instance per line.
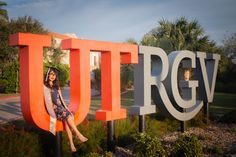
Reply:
x=52 y=93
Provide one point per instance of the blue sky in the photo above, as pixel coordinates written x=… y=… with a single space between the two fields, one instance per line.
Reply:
x=118 y=20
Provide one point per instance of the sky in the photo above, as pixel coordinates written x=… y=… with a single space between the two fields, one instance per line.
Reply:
x=118 y=20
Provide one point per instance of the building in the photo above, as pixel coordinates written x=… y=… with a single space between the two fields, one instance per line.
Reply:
x=57 y=38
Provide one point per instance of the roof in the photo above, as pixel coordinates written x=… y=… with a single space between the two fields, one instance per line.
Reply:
x=57 y=35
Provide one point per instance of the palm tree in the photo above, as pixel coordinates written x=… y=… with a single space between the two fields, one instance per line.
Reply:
x=27 y=24
x=54 y=55
x=131 y=41
x=178 y=35
x=57 y=55
x=3 y=12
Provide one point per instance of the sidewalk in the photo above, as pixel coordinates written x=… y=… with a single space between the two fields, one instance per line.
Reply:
x=10 y=108
x=8 y=96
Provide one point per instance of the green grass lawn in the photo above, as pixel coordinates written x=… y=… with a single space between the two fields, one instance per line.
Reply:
x=127 y=99
x=223 y=102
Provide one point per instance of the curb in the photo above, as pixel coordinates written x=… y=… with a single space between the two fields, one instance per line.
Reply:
x=5 y=97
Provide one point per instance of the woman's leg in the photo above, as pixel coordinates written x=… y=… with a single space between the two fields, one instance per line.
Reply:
x=72 y=125
x=69 y=134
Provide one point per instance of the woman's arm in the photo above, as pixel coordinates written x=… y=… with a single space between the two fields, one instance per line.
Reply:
x=48 y=102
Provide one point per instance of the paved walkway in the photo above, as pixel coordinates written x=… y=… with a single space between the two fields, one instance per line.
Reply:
x=10 y=108
x=10 y=105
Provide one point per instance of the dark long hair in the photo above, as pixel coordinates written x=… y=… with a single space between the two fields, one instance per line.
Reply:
x=55 y=82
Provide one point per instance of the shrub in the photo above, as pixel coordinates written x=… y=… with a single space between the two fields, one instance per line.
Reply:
x=199 y=120
x=10 y=83
x=126 y=76
x=172 y=124
x=3 y=85
x=216 y=150
x=93 y=154
x=19 y=143
x=9 y=80
x=64 y=75
x=187 y=146
x=97 y=76
x=96 y=133
x=146 y=145
x=123 y=130
x=108 y=154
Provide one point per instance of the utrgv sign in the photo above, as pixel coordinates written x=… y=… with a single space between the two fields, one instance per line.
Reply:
x=170 y=94
x=161 y=81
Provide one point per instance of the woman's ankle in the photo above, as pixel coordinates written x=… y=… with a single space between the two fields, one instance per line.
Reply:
x=82 y=138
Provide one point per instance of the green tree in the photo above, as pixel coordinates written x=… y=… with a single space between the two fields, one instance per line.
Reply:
x=126 y=76
x=189 y=35
x=27 y=24
x=131 y=41
x=4 y=33
x=229 y=47
x=127 y=70
x=3 y=12
x=53 y=58
x=9 y=81
x=179 y=35
x=9 y=55
x=227 y=77
x=54 y=54
x=183 y=35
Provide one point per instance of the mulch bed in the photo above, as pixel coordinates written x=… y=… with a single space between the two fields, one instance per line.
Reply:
x=216 y=139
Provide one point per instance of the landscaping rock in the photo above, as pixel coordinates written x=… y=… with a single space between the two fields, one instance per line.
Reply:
x=217 y=139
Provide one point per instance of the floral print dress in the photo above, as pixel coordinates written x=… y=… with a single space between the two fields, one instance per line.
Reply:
x=61 y=112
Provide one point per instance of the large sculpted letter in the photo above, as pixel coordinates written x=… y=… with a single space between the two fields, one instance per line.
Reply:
x=112 y=54
x=159 y=80
x=146 y=75
x=206 y=71
x=31 y=77
x=189 y=104
x=80 y=93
